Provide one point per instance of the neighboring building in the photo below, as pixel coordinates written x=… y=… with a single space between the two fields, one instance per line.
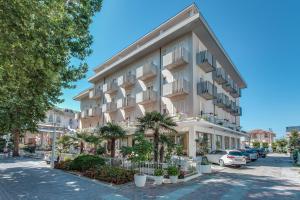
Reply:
x=289 y=129
x=61 y=120
x=259 y=135
x=179 y=68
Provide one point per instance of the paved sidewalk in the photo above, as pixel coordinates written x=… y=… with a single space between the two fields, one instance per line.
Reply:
x=270 y=178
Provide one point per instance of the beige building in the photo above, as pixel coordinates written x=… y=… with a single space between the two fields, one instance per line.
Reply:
x=262 y=136
x=179 y=68
x=61 y=120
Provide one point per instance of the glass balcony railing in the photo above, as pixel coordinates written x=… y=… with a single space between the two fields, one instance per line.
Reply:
x=207 y=90
x=206 y=61
x=176 y=58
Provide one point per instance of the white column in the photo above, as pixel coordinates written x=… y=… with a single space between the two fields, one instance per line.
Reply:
x=230 y=143
x=192 y=143
x=223 y=142
x=214 y=142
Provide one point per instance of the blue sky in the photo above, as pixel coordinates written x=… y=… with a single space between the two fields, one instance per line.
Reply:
x=261 y=37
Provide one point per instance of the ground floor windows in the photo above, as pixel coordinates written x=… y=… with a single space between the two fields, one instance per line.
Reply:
x=219 y=142
x=203 y=143
x=227 y=146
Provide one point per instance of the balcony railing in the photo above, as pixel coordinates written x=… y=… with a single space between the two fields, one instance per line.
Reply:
x=219 y=75
x=236 y=92
x=84 y=113
x=177 y=57
x=94 y=112
x=147 y=71
x=229 y=105
x=109 y=107
x=207 y=90
x=95 y=93
x=126 y=80
x=126 y=103
x=237 y=111
x=220 y=100
x=110 y=87
x=146 y=97
x=176 y=88
x=221 y=122
x=228 y=85
x=206 y=61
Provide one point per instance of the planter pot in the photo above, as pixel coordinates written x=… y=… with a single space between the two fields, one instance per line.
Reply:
x=158 y=180
x=205 y=169
x=173 y=179
x=199 y=170
x=140 y=180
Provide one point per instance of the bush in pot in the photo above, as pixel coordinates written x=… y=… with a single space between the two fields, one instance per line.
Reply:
x=140 y=153
x=173 y=173
x=158 y=176
x=205 y=165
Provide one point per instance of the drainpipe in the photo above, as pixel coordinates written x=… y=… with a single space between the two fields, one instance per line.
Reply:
x=160 y=80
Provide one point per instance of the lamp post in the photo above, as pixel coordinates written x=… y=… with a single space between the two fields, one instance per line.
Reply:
x=53 y=142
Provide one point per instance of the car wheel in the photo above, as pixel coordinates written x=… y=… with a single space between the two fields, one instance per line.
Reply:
x=221 y=162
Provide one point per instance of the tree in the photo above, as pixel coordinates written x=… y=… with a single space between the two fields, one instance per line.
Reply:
x=38 y=40
x=265 y=145
x=294 y=140
x=157 y=123
x=64 y=143
x=256 y=144
x=274 y=146
x=84 y=137
x=282 y=143
x=112 y=132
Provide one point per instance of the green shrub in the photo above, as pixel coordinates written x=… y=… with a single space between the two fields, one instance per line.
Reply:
x=115 y=175
x=204 y=161
x=100 y=150
x=158 y=172
x=173 y=171
x=2 y=145
x=64 y=165
x=85 y=162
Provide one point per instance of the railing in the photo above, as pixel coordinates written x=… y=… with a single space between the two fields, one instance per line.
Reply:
x=176 y=58
x=110 y=87
x=147 y=71
x=207 y=90
x=94 y=111
x=146 y=97
x=206 y=61
x=126 y=80
x=84 y=113
x=236 y=91
x=176 y=88
x=228 y=86
x=220 y=100
x=219 y=75
x=221 y=122
x=109 y=107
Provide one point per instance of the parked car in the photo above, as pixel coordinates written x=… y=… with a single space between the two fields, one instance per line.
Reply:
x=262 y=152
x=247 y=156
x=253 y=154
x=227 y=157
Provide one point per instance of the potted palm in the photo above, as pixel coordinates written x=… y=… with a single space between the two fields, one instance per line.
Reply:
x=158 y=176
x=140 y=153
x=173 y=173
x=205 y=166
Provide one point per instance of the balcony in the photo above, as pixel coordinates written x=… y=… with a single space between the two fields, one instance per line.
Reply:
x=84 y=113
x=146 y=97
x=228 y=86
x=126 y=80
x=147 y=71
x=220 y=76
x=126 y=103
x=206 y=90
x=236 y=93
x=176 y=58
x=176 y=88
x=95 y=93
x=229 y=105
x=77 y=115
x=206 y=61
x=109 y=107
x=220 y=100
x=96 y=111
x=237 y=111
x=110 y=87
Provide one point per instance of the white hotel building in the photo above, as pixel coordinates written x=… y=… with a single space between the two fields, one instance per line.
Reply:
x=179 y=68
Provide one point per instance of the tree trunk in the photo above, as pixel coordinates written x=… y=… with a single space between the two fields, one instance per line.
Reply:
x=16 y=137
x=113 y=148
x=161 y=154
x=156 y=143
x=81 y=147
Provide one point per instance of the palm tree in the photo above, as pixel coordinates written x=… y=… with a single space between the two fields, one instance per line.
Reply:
x=112 y=131
x=159 y=124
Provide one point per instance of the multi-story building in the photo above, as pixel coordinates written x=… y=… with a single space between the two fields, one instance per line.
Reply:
x=179 y=68
x=262 y=136
x=60 y=120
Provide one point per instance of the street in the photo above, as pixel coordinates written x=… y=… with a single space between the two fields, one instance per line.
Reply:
x=269 y=178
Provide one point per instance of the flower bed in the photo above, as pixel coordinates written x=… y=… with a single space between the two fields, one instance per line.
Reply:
x=94 y=167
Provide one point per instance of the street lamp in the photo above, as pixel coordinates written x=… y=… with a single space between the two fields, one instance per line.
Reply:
x=53 y=141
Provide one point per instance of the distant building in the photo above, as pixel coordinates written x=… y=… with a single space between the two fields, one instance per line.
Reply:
x=259 y=135
x=59 y=119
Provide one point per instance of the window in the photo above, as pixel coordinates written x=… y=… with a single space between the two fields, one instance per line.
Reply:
x=164 y=80
x=50 y=118
x=219 y=142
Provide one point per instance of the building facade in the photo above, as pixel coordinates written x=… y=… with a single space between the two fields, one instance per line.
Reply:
x=61 y=120
x=179 y=68
x=262 y=136
x=289 y=129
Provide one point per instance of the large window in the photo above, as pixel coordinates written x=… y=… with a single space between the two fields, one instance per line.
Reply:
x=226 y=142
x=204 y=143
x=233 y=146
x=218 y=142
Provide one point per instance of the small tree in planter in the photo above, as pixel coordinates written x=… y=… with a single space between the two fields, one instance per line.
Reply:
x=205 y=165
x=173 y=173
x=140 y=153
x=158 y=176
